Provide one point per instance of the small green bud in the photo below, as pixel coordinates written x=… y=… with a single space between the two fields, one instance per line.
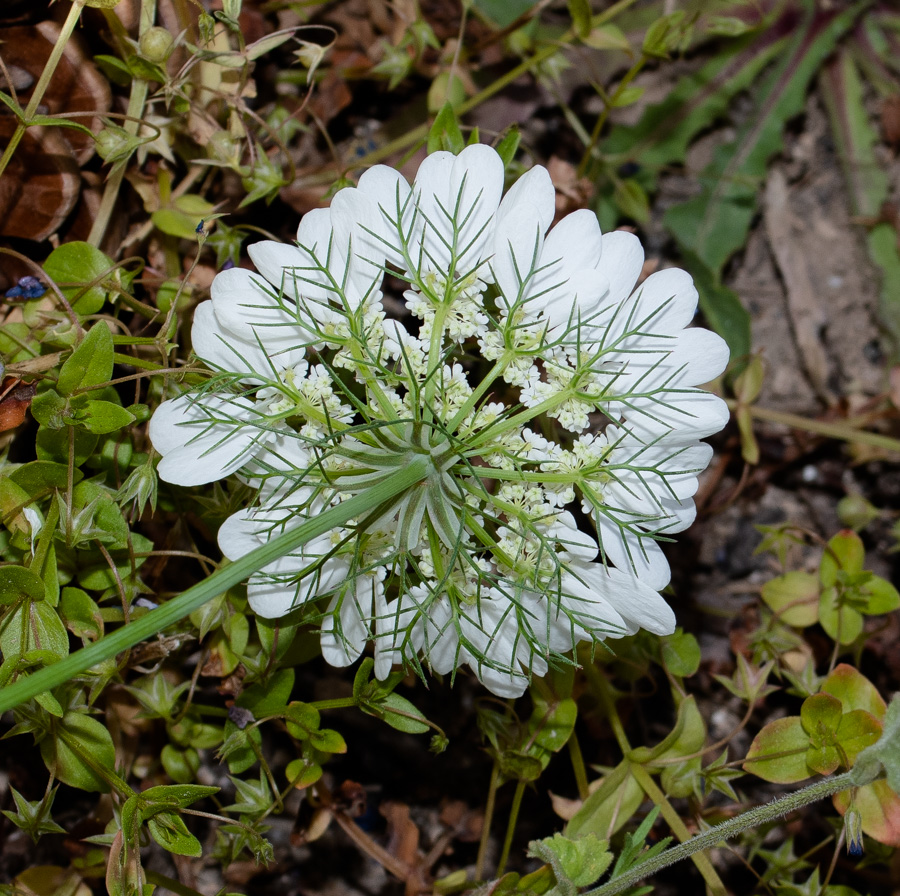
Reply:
x=223 y=147
x=155 y=44
x=113 y=143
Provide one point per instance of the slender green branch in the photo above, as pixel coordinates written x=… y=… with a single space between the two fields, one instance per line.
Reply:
x=43 y=82
x=134 y=113
x=837 y=430
x=176 y=609
x=511 y=826
x=725 y=831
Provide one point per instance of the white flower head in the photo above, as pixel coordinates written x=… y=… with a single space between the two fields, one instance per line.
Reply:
x=556 y=400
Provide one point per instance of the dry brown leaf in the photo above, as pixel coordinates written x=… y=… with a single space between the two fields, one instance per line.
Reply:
x=403 y=835
x=805 y=313
x=15 y=399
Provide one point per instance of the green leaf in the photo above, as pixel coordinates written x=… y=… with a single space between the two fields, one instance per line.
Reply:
x=269 y=699
x=174 y=796
x=170 y=832
x=301 y=719
x=778 y=752
x=399 y=713
x=182 y=218
x=688 y=736
x=883 y=597
x=857 y=731
x=608 y=37
x=445 y=133
x=238 y=749
x=91 y=364
x=841 y=621
x=33 y=626
x=820 y=715
x=680 y=654
x=103 y=416
x=78 y=264
x=793 y=598
x=327 y=740
x=76 y=746
x=844 y=554
x=580 y=11
x=552 y=723
x=665 y=35
x=180 y=765
x=509 y=145
x=303 y=773
x=576 y=863
x=41 y=477
x=609 y=807
x=80 y=614
x=854 y=690
x=18 y=582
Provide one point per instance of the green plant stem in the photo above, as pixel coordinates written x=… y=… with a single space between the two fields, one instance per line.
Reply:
x=648 y=785
x=726 y=830
x=176 y=609
x=134 y=113
x=843 y=430
x=578 y=768
x=43 y=82
x=488 y=818
x=673 y=819
x=511 y=826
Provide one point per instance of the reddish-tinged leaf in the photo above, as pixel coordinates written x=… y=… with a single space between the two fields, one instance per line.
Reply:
x=778 y=752
x=845 y=553
x=854 y=690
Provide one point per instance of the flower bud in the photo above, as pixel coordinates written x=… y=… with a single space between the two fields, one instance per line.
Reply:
x=155 y=44
x=853 y=832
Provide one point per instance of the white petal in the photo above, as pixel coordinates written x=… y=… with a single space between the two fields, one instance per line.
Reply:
x=640 y=604
x=628 y=551
x=536 y=189
x=517 y=251
x=391 y=194
x=358 y=606
x=204 y=438
x=621 y=262
x=475 y=190
x=269 y=326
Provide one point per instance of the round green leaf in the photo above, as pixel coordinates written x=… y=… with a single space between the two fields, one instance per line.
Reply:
x=75 y=747
x=778 y=752
x=78 y=264
x=794 y=598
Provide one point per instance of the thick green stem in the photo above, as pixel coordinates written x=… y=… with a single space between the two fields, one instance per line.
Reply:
x=176 y=609
x=726 y=830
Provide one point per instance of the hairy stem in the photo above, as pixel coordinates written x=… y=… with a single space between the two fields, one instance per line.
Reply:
x=726 y=830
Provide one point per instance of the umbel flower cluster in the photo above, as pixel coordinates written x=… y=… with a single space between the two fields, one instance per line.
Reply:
x=557 y=404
